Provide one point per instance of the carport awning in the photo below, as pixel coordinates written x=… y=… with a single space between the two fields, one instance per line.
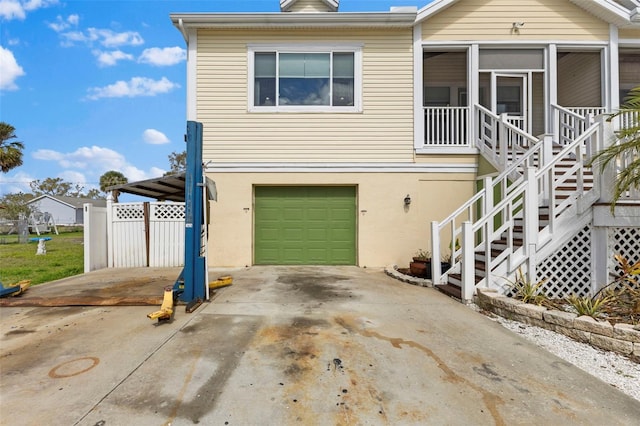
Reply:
x=169 y=188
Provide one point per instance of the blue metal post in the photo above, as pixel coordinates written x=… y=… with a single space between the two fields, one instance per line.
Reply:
x=194 y=263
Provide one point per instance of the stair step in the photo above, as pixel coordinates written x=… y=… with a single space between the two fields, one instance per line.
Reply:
x=456 y=279
x=451 y=290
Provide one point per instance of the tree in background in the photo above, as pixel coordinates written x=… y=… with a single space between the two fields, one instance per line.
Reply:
x=177 y=162
x=112 y=178
x=55 y=186
x=627 y=146
x=15 y=206
x=10 y=152
x=94 y=194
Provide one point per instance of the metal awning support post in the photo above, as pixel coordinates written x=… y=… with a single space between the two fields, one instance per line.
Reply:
x=191 y=285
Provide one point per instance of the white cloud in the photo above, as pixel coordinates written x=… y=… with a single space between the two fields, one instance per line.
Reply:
x=110 y=38
x=109 y=59
x=16 y=182
x=64 y=24
x=47 y=154
x=74 y=177
x=95 y=161
x=105 y=37
x=9 y=70
x=163 y=57
x=16 y=9
x=154 y=137
x=137 y=86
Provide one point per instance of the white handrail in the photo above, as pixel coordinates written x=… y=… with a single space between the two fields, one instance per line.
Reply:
x=524 y=193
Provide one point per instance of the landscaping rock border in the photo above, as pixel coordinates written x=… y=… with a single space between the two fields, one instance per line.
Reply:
x=393 y=272
x=621 y=338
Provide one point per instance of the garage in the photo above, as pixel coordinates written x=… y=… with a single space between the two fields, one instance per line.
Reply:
x=305 y=225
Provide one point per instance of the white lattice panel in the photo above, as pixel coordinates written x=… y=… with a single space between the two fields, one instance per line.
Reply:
x=623 y=241
x=128 y=212
x=568 y=269
x=164 y=211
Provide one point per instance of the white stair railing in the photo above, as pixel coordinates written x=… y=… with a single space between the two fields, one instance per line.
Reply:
x=499 y=139
x=492 y=238
x=478 y=224
x=570 y=123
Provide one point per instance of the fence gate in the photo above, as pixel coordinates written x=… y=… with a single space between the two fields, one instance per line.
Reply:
x=146 y=234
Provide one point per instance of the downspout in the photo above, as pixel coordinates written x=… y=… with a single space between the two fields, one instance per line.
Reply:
x=182 y=31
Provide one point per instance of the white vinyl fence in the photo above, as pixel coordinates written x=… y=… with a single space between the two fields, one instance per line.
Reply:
x=134 y=235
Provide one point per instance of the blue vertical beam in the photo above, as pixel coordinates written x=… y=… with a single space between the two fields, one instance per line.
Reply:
x=194 y=264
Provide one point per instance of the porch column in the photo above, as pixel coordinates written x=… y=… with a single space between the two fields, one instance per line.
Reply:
x=612 y=81
x=552 y=88
x=418 y=88
x=473 y=95
x=599 y=257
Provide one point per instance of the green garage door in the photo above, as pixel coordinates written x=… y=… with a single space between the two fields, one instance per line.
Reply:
x=297 y=225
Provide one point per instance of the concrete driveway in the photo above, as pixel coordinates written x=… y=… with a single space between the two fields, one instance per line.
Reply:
x=292 y=345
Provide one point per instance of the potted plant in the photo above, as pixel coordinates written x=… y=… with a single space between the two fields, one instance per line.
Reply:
x=421 y=264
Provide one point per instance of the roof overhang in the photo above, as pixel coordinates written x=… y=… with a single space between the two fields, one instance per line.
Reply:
x=293 y=20
x=169 y=188
x=607 y=10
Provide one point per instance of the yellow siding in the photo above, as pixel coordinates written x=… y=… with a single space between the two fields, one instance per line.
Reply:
x=629 y=33
x=309 y=6
x=383 y=132
x=492 y=20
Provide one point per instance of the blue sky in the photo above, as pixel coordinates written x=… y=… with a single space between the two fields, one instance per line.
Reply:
x=98 y=85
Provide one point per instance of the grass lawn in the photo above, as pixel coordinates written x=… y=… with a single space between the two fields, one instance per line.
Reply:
x=65 y=257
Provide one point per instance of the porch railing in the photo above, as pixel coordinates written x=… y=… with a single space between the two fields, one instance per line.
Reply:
x=500 y=139
x=628 y=120
x=446 y=126
x=570 y=122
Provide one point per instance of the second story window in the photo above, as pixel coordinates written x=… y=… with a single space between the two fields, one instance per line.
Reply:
x=305 y=80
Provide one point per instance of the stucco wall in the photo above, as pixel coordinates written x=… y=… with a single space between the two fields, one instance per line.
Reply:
x=387 y=233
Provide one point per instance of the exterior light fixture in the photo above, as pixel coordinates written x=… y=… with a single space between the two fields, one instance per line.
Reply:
x=515 y=27
x=407 y=200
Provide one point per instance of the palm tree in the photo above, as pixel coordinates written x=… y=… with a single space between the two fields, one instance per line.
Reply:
x=112 y=178
x=627 y=146
x=10 y=152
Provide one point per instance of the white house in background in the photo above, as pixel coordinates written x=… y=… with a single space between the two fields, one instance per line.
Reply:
x=64 y=210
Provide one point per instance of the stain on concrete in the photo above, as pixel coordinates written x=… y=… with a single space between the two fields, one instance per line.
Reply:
x=487 y=371
x=491 y=400
x=225 y=339
x=19 y=331
x=316 y=287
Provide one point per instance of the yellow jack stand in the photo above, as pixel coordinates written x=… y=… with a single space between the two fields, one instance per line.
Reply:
x=166 y=310
x=225 y=281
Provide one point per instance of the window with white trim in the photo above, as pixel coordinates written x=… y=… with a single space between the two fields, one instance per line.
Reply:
x=303 y=79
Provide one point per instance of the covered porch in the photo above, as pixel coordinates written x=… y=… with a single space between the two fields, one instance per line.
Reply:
x=541 y=90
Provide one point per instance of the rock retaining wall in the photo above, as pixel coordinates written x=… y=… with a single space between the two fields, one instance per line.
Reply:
x=621 y=338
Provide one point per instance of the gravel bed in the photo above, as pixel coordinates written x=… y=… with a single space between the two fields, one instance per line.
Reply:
x=616 y=370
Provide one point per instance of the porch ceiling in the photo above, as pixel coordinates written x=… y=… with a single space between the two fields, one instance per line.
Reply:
x=170 y=188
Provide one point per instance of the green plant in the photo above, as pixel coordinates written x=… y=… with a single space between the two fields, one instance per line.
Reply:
x=422 y=254
x=526 y=290
x=591 y=306
x=627 y=144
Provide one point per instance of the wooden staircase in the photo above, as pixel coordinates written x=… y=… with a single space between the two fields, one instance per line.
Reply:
x=513 y=238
